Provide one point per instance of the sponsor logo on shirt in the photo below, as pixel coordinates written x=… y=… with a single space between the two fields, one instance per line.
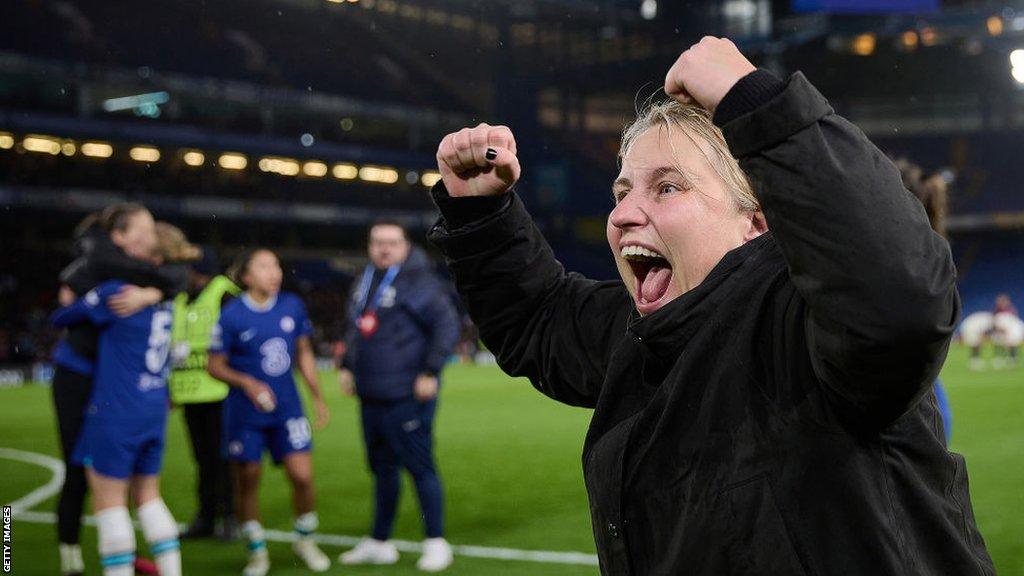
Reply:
x=276 y=360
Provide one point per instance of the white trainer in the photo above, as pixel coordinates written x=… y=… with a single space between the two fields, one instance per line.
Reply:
x=437 y=555
x=71 y=560
x=258 y=565
x=370 y=551
x=310 y=553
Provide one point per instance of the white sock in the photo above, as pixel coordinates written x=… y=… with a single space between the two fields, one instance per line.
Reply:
x=252 y=531
x=161 y=533
x=71 y=558
x=116 y=541
x=306 y=524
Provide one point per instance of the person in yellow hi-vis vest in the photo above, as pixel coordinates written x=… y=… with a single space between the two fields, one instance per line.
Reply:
x=201 y=396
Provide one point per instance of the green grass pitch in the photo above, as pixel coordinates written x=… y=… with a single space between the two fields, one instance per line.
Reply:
x=510 y=461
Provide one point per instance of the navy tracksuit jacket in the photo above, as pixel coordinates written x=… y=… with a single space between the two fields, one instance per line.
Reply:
x=417 y=330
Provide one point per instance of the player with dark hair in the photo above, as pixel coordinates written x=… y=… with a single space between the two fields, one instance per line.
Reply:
x=122 y=439
x=115 y=243
x=252 y=347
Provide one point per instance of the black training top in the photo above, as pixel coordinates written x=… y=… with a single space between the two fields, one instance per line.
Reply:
x=98 y=260
x=778 y=418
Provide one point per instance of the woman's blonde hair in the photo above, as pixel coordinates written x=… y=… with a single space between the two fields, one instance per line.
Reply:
x=695 y=122
x=173 y=246
x=117 y=216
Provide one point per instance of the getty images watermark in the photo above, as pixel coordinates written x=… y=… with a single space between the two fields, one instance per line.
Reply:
x=7 y=540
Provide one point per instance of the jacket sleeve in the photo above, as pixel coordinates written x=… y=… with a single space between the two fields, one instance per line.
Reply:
x=78 y=276
x=107 y=262
x=877 y=282
x=556 y=329
x=91 y=308
x=440 y=321
x=74 y=313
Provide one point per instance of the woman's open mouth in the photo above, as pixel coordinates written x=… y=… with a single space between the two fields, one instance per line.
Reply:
x=653 y=276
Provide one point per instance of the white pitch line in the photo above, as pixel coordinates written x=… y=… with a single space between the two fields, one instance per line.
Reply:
x=45 y=491
x=22 y=510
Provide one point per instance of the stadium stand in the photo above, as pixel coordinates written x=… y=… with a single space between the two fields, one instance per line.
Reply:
x=369 y=84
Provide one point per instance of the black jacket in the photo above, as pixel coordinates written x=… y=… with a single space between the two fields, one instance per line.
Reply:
x=97 y=260
x=776 y=419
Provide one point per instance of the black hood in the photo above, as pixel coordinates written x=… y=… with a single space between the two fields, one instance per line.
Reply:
x=87 y=240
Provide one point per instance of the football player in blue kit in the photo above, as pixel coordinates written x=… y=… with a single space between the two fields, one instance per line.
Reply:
x=251 y=349
x=115 y=243
x=121 y=443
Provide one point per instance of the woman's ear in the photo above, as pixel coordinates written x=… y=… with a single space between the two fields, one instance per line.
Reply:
x=758 y=226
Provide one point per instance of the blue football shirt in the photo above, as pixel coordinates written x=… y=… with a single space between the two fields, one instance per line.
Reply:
x=261 y=341
x=130 y=378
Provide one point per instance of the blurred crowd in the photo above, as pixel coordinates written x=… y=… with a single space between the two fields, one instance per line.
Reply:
x=26 y=298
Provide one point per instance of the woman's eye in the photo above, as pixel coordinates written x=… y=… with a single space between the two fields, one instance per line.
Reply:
x=668 y=188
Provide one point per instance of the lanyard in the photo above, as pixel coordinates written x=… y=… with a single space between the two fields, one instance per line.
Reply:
x=364 y=288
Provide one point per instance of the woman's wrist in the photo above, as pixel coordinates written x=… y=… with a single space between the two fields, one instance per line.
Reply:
x=314 y=392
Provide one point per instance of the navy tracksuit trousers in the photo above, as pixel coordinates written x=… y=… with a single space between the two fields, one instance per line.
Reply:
x=399 y=434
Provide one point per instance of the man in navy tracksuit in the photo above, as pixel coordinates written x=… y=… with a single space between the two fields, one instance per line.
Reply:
x=402 y=326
